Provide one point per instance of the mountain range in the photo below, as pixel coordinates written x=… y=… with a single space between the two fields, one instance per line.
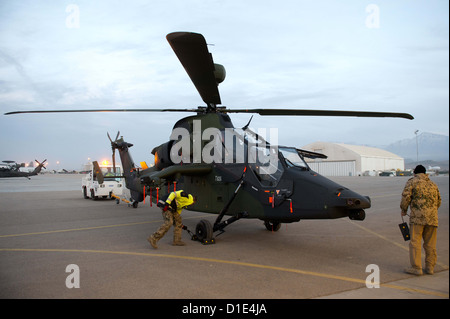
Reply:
x=427 y=147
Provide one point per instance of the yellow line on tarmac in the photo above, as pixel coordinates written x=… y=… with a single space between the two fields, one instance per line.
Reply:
x=229 y=262
x=421 y=291
x=380 y=236
x=389 y=240
x=86 y=228
x=75 y=229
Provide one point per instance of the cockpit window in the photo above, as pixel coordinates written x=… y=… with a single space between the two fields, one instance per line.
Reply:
x=245 y=146
x=265 y=163
x=292 y=158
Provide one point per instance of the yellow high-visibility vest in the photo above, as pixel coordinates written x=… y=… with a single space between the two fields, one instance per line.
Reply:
x=181 y=201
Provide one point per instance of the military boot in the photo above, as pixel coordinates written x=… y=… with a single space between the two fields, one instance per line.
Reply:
x=414 y=271
x=177 y=240
x=429 y=270
x=152 y=240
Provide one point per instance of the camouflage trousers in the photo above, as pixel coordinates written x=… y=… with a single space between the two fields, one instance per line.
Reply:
x=428 y=234
x=170 y=218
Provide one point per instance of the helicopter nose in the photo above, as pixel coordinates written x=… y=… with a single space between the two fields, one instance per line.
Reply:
x=352 y=200
x=358 y=202
x=353 y=203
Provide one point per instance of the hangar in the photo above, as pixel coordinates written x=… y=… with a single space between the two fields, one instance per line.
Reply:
x=352 y=160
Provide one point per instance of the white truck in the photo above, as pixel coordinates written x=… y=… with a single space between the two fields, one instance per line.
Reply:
x=94 y=188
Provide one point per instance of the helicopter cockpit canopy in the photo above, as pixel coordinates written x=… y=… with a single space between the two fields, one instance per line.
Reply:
x=292 y=158
x=261 y=157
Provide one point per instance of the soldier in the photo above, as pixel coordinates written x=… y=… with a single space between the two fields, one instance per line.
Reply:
x=424 y=199
x=171 y=211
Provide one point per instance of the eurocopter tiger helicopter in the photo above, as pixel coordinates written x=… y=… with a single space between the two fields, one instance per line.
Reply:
x=283 y=190
x=12 y=169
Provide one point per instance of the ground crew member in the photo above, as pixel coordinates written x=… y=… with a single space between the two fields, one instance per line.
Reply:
x=171 y=211
x=424 y=199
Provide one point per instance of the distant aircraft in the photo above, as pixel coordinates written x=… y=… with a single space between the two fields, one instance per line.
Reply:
x=12 y=169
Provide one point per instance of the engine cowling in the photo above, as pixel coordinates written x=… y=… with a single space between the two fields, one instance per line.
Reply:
x=162 y=155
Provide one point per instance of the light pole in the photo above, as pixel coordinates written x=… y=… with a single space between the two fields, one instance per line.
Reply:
x=417 y=147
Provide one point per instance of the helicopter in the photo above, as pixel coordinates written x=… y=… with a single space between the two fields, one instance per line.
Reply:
x=230 y=171
x=12 y=169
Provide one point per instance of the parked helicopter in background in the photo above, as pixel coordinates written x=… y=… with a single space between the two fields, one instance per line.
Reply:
x=12 y=169
x=239 y=182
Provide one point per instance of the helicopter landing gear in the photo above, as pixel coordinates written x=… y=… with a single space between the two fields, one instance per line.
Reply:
x=272 y=226
x=357 y=214
x=204 y=232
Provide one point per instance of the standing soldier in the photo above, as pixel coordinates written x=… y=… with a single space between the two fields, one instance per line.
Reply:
x=423 y=198
x=171 y=211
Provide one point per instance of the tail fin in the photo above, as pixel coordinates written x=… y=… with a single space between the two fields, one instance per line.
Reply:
x=132 y=179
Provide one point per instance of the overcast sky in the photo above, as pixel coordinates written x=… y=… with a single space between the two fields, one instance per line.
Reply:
x=343 y=55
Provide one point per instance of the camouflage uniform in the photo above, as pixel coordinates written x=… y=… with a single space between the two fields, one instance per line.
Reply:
x=172 y=216
x=424 y=199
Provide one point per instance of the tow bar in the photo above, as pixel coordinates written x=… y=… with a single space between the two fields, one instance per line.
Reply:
x=201 y=233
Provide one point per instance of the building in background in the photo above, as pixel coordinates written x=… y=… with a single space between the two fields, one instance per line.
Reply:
x=352 y=160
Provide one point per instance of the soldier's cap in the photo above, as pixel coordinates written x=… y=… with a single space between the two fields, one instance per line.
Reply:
x=420 y=169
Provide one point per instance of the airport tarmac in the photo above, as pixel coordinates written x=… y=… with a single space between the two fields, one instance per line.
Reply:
x=52 y=238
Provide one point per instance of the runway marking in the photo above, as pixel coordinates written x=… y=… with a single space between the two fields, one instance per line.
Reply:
x=229 y=262
x=391 y=241
x=88 y=228
x=380 y=236
x=76 y=229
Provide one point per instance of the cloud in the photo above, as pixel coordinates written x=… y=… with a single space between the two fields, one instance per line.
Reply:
x=293 y=54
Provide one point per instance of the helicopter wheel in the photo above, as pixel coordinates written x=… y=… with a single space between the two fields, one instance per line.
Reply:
x=272 y=226
x=204 y=231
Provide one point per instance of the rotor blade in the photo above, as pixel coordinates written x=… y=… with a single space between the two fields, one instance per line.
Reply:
x=102 y=110
x=193 y=54
x=114 y=160
x=40 y=163
x=113 y=147
x=264 y=112
x=300 y=112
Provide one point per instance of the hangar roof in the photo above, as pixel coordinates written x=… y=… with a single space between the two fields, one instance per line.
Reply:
x=370 y=151
x=360 y=150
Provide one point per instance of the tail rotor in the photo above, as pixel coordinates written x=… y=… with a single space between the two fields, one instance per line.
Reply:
x=41 y=164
